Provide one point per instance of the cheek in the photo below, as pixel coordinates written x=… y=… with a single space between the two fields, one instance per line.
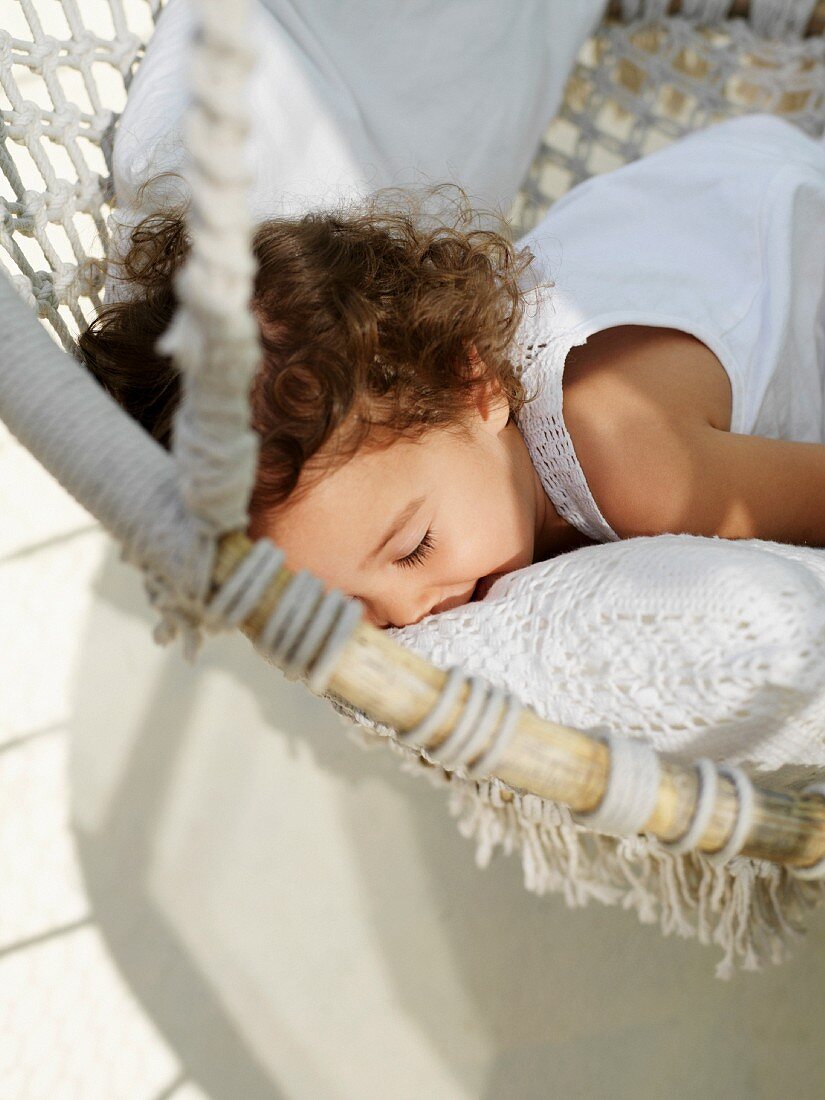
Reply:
x=493 y=536
x=502 y=529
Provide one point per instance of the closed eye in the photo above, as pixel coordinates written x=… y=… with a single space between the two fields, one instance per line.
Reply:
x=423 y=550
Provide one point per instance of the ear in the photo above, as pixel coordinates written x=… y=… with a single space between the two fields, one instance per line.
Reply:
x=490 y=403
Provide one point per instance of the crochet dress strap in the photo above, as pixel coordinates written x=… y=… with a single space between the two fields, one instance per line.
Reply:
x=543 y=342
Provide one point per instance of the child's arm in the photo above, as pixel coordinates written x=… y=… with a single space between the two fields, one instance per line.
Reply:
x=698 y=480
x=755 y=487
x=646 y=419
x=693 y=479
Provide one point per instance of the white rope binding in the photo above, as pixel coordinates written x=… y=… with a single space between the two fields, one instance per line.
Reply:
x=706 y=798
x=744 y=816
x=489 y=714
x=308 y=628
x=632 y=788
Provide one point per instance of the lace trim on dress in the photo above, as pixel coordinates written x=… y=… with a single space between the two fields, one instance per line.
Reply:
x=542 y=354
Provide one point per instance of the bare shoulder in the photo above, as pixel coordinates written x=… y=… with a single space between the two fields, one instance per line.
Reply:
x=636 y=401
x=660 y=370
x=648 y=412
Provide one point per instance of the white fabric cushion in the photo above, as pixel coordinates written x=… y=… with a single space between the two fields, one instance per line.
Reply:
x=701 y=646
x=350 y=97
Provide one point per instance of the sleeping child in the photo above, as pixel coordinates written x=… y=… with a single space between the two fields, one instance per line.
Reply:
x=438 y=407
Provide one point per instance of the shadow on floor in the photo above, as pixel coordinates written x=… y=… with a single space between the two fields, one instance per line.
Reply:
x=509 y=991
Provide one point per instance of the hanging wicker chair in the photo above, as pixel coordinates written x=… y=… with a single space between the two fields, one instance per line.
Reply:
x=651 y=73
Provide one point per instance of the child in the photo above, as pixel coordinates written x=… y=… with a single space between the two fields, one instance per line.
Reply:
x=416 y=441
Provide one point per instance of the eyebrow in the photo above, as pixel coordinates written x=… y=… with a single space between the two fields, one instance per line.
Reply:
x=400 y=521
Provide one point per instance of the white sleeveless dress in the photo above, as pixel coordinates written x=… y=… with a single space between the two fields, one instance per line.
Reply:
x=721 y=235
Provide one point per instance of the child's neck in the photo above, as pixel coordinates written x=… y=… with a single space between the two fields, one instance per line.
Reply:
x=554 y=534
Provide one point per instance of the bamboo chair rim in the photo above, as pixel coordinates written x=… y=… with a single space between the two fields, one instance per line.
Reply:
x=396 y=687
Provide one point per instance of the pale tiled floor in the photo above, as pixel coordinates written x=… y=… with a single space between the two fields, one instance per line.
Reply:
x=208 y=892
x=69 y=1024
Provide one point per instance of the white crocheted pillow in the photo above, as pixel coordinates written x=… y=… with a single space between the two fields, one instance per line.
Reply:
x=703 y=646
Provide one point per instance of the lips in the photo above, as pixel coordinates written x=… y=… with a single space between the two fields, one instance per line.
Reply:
x=483 y=586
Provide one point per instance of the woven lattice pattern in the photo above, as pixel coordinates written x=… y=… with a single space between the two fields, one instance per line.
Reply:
x=63 y=87
x=637 y=87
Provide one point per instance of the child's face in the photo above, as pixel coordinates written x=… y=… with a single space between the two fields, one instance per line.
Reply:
x=478 y=501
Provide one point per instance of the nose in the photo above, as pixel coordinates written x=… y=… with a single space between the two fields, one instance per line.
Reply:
x=402 y=620
x=408 y=611
x=395 y=617
x=453 y=601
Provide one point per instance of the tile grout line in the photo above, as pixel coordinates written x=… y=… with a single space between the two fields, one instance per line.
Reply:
x=50 y=543
x=44 y=937
x=23 y=739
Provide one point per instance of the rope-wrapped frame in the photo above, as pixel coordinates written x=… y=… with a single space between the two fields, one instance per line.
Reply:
x=388 y=683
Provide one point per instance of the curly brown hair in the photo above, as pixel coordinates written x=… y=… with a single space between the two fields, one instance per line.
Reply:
x=374 y=324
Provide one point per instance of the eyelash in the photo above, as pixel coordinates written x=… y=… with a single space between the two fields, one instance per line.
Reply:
x=423 y=550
